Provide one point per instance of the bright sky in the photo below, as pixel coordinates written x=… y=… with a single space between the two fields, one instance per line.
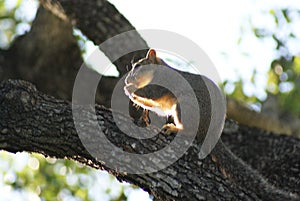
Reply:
x=215 y=26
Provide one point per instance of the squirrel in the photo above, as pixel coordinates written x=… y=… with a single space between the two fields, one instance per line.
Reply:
x=151 y=97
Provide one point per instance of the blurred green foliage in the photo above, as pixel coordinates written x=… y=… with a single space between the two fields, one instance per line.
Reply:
x=57 y=180
x=283 y=77
x=12 y=23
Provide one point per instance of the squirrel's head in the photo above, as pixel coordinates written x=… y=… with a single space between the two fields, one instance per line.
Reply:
x=142 y=71
x=150 y=58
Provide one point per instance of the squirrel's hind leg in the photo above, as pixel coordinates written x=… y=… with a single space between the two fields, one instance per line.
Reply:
x=144 y=119
x=170 y=128
x=173 y=124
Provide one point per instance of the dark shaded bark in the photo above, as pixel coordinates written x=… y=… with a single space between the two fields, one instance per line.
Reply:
x=47 y=56
x=34 y=122
x=276 y=158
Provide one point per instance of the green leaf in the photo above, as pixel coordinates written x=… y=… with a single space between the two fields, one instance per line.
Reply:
x=296 y=64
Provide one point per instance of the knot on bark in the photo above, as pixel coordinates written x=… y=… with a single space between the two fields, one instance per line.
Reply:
x=18 y=93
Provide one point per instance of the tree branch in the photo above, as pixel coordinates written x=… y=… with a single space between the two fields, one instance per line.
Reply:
x=34 y=122
x=99 y=20
x=241 y=113
x=35 y=58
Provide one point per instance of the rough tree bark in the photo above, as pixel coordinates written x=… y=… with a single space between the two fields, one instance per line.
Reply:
x=22 y=108
x=34 y=122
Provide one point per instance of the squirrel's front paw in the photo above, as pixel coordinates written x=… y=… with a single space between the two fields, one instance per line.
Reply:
x=170 y=129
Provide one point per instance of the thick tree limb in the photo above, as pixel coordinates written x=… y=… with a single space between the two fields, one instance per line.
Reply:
x=34 y=122
x=48 y=55
x=99 y=20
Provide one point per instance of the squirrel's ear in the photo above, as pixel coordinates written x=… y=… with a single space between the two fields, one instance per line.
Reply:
x=151 y=55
